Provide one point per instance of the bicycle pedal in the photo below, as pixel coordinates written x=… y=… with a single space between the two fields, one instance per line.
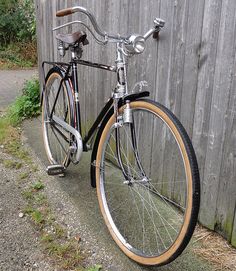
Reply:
x=56 y=170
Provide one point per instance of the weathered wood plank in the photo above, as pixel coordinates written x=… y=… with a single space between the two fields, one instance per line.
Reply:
x=164 y=53
x=38 y=12
x=201 y=138
x=233 y=236
x=176 y=64
x=192 y=63
x=222 y=130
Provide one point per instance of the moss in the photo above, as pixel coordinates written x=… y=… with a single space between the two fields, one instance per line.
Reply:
x=228 y=226
x=233 y=239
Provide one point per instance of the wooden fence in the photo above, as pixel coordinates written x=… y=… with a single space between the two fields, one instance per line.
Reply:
x=191 y=70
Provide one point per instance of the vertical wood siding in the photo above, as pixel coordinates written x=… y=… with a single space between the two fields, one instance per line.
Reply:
x=191 y=70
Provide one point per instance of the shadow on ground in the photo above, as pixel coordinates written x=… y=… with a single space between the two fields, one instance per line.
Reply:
x=76 y=184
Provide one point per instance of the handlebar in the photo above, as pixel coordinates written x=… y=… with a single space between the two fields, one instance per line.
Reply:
x=158 y=25
x=68 y=11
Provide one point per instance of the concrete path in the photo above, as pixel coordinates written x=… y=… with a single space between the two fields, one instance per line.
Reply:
x=11 y=83
x=76 y=185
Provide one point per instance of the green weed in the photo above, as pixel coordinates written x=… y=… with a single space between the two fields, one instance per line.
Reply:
x=97 y=267
x=27 y=105
x=4 y=129
x=59 y=231
x=38 y=186
x=47 y=238
x=67 y=255
x=24 y=175
x=28 y=209
x=41 y=199
x=28 y=195
x=37 y=217
x=12 y=59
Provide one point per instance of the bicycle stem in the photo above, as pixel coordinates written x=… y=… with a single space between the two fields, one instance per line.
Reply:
x=121 y=70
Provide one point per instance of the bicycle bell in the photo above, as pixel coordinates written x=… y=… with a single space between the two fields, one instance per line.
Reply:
x=136 y=44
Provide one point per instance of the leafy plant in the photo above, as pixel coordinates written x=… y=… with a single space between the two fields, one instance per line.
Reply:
x=27 y=105
x=38 y=186
x=17 y=34
x=37 y=217
x=17 y=21
x=18 y=55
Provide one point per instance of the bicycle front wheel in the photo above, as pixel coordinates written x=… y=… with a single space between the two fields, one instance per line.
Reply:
x=56 y=101
x=148 y=183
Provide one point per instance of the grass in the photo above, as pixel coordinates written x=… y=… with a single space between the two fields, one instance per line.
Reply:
x=65 y=252
x=18 y=55
x=38 y=186
x=67 y=255
x=24 y=175
x=10 y=137
x=25 y=106
x=12 y=164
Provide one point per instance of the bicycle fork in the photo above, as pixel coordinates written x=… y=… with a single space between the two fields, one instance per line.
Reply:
x=127 y=119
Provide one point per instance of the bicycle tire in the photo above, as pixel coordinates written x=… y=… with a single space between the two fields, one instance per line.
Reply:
x=55 y=145
x=122 y=223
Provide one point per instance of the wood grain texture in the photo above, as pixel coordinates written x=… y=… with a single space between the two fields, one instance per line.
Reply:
x=221 y=122
x=205 y=87
x=191 y=70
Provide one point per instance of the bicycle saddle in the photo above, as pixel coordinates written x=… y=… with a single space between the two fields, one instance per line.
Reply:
x=77 y=37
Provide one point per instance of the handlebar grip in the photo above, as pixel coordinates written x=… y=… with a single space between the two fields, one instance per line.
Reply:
x=64 y=12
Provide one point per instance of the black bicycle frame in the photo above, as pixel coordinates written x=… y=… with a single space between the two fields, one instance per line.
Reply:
x=69 y=72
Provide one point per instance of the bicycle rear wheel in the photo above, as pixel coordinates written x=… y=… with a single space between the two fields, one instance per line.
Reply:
x=151 y=214
x=56 y=139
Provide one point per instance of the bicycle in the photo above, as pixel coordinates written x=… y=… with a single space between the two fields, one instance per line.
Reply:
x=142 y=163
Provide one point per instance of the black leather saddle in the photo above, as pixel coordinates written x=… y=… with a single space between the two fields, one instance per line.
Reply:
x=77 y=37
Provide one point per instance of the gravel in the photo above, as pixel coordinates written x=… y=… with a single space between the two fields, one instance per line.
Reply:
x=19 y=249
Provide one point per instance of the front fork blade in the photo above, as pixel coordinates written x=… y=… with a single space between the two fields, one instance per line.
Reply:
x=128 y=175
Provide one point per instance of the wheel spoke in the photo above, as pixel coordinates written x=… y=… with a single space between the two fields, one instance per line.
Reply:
x=147 y=212
x=57 y=141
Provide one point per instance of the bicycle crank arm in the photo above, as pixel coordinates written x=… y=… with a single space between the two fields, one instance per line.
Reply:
x=78 y=152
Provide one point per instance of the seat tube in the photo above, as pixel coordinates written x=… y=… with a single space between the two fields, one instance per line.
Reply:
x=76 y=92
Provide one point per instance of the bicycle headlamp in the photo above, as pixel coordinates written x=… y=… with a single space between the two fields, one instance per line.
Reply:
x=136 y=44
